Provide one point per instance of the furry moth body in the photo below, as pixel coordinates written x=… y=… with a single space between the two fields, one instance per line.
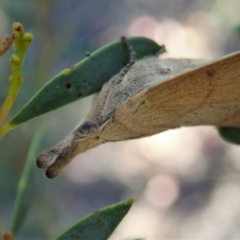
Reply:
x=151 y=96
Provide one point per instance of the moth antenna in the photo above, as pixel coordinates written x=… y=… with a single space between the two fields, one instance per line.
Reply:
x=130 y=49
x=126 y=69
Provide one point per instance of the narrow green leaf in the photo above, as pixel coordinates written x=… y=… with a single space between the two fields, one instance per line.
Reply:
x=100 y=224
x=84 y=78
x=25 y=185
x=230 y=134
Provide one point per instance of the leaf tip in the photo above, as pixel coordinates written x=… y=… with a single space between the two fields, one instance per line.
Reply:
x=132 y=200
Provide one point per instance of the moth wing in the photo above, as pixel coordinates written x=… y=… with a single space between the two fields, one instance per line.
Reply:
x=207 y=95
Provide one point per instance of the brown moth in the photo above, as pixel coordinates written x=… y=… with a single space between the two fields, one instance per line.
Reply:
x=5 y=44
x=151 y=96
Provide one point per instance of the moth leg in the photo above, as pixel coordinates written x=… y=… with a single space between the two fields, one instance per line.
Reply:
x=100 y=98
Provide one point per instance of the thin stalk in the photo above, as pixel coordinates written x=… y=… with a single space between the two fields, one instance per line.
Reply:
x=21 y=43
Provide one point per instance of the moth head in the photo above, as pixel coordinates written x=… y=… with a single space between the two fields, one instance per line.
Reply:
x=84 y=137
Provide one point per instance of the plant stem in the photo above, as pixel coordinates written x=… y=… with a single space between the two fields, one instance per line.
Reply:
x=21 y=43
x=4 y=129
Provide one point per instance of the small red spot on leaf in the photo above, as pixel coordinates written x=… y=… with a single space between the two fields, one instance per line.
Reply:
x=88 y=54
x=96 y=213
x=68 y=85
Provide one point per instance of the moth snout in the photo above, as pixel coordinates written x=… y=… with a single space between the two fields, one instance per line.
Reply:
x=61 y=161
x=39 y=163
x=53 y=163
x=45 y=159
x=58 y=157
x=52 y=172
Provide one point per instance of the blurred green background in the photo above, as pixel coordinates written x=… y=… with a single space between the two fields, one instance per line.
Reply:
x=187 y=181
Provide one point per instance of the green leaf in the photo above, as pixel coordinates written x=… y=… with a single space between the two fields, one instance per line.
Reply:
x=25 y=185
x=100 y=224
x=230 y=134
x=84 y=78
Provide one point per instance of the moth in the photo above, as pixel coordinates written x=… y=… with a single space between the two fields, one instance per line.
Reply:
x=150 y=96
